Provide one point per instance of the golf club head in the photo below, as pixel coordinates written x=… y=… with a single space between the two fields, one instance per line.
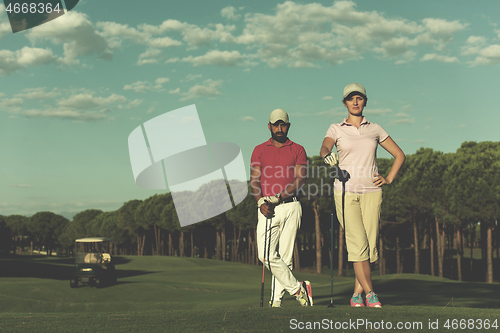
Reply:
x=331 y=305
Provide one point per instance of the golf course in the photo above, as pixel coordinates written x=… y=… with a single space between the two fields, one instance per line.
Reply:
x=173 y=294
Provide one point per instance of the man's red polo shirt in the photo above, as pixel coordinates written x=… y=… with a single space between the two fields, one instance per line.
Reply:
x=277 y=165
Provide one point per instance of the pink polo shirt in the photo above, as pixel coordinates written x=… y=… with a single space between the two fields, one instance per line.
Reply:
x=277 y=165
x=357 y=150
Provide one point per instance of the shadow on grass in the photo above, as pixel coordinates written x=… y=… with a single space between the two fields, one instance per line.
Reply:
x=30 y=267
x=416 y=292
x=438 y=293
x=53 y=268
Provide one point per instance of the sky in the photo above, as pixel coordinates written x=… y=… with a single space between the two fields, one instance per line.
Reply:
x=73 y=89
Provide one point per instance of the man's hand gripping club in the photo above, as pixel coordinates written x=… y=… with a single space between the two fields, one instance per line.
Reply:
x=266 y=205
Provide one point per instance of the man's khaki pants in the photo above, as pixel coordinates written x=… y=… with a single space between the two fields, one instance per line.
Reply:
x=280 y=244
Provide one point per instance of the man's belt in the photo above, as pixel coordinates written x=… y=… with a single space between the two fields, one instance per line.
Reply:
x=287 y=200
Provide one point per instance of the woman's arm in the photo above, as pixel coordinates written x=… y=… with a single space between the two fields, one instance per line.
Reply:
x=326 y=147
x=399 y=158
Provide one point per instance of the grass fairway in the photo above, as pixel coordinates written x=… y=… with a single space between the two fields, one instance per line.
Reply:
x=170 y=294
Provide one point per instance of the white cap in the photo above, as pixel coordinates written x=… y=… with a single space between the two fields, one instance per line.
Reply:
x=277 y=115
x=354 y=87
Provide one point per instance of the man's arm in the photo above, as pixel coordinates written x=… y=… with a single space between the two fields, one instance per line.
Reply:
x=292 y=189
x=255 y=182
x=255 y=172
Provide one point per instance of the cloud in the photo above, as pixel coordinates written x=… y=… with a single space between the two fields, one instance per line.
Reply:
x=473 y=45
x=81 y=105
x=439 y=58
x=123 y=31
x=215 y=57
x=162 y=80
x=247 y=118
x=77 y=35
x=191 y=77
x=113 y=29
x=175 y=91
x=11 y=62
x=442 y=29
x=485 y=54
x=85 y=101
x=38 y=93
x=144 y=86
x=29 y=56
x=149 y=56
x=327 y=98
x=229 y=12
x=396 y=47
x=208 y=88
x=116 y=33
x=474 y=40
x=163 y=42
x=299 y=35
x=61 y=113
x=192 y=34
x=130 y=105
x=377 y=112
x=489 y=55
x=404 y=120
x=139 y=86
x=293 y=34
x=10 y=103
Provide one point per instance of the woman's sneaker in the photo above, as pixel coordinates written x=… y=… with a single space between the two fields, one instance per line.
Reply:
x=357 y=300
x=372 y=300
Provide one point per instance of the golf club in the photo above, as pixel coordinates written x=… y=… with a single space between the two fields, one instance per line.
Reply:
x=263 y=267
x=331 y=260
x=343 y=176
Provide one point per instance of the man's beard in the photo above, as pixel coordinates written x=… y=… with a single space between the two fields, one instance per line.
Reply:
x=279 y=138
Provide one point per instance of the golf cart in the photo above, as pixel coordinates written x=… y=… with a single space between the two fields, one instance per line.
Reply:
x=93 y=264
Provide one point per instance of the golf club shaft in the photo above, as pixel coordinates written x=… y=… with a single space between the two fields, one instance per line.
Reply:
x=331 y=255
x=263 y=267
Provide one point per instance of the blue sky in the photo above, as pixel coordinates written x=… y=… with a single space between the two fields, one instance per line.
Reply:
x=73 y=89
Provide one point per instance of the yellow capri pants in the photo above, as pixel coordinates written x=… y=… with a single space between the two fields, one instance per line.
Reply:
x=362 y=215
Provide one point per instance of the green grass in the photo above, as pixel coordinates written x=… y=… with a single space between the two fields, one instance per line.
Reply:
x=170 y=294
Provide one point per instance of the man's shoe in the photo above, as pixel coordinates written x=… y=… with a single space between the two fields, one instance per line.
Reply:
x=309 y=292
x=372 y=300
x=275 y=304
x=304 y=295
x=357 y=300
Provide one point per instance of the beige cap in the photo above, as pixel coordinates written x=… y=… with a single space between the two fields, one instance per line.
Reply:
x=277 y=115
x=352 y=87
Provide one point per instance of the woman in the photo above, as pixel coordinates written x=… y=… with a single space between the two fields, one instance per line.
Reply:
x=356 y=140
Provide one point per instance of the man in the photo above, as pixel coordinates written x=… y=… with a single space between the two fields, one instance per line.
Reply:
x=278 y=170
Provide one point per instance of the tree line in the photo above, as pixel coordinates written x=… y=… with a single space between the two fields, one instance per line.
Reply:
x=438 y=206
